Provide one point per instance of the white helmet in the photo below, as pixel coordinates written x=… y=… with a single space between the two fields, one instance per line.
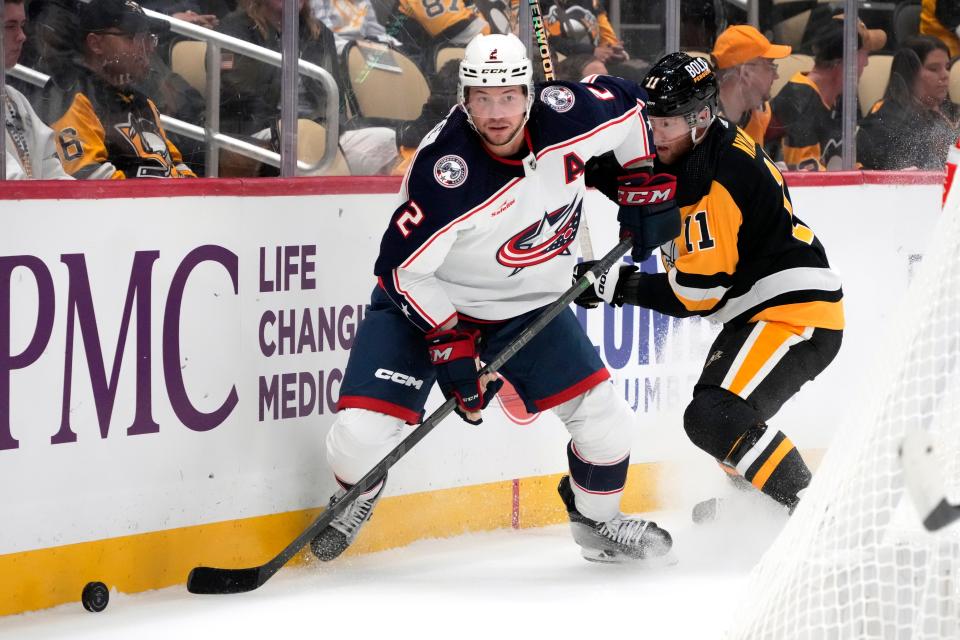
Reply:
x=496 y=60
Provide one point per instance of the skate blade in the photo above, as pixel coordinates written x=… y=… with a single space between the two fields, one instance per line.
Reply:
x=604 y=556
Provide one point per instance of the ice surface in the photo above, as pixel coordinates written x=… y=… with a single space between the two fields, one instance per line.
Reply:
x=502 y=584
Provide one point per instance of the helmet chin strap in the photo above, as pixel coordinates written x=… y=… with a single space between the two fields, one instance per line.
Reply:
x=696 y=124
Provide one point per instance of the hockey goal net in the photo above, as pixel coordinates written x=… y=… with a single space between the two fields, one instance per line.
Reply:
x=854 y=561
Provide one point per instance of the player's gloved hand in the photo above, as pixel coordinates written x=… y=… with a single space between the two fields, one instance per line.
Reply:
x=454 y=353
x=608 y=287
x=648 y=211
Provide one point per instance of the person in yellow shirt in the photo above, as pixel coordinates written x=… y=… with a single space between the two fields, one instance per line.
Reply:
x=744 y=62
x=105 y=128
x=941 y=18
x=426 y=24
x=807 y=108
x=582 y=26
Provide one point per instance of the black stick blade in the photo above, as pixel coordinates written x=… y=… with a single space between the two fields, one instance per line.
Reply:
x=213 y=580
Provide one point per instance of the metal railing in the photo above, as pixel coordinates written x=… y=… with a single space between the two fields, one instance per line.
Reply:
x=193 y=131
x=210 y=134
x=212 y=137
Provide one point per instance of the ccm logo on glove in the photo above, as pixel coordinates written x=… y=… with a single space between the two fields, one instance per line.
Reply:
x=658 y=188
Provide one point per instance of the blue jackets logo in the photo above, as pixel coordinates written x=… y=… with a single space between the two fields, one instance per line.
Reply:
x=450 y=171
x=560 y=99
x=542 y=240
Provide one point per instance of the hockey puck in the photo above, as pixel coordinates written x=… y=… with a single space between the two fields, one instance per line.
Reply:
x=95 y=597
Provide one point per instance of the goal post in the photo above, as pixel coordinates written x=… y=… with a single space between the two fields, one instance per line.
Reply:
x=855 y=561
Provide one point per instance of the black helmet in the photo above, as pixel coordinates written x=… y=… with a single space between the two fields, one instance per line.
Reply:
x=680 y=85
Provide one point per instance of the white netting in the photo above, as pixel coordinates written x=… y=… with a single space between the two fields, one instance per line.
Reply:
x=854 y=561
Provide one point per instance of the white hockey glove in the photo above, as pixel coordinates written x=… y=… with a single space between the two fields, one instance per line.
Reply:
x=608 y=287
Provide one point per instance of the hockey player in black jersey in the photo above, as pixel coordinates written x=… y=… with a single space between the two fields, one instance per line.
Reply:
x=742 y=259
x=478 y=244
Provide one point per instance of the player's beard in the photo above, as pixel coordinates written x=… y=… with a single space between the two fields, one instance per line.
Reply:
x=501 y=141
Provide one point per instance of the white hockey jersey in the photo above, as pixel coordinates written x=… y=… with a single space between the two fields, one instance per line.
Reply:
x=491 y=238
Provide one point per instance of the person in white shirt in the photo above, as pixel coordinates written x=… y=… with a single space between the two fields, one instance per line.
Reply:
x=351 y=20
x=30 y=149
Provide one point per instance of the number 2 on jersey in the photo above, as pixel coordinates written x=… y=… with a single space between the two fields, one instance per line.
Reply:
x=412 y=215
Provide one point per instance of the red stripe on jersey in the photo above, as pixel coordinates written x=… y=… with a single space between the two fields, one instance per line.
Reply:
x=576 y=452
x=452 y=223
x=380 y=406
x=628 y=163
x=571 y=392
x=508 y=161
x=595 y=493
x=629 y=114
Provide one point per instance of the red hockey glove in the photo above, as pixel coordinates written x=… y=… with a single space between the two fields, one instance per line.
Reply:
x=648 y=211
x=454 y=353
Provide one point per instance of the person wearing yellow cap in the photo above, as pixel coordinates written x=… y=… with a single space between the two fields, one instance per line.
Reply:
x=807 y=109
x=941 y=18
x=745 y=67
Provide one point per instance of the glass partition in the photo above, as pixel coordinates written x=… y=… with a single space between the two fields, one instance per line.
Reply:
x=135 y=93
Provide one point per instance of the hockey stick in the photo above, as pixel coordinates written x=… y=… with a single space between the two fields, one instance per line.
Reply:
x=216 y=580
x=541 y=40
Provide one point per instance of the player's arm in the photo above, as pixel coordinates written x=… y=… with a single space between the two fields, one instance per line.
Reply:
x=626 y=284
x=702 y=259
x=81 y=143
x=615 y=110
x=413 y=248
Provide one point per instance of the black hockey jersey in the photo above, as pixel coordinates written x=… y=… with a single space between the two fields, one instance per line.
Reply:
x=489 y=237
x=742 y=255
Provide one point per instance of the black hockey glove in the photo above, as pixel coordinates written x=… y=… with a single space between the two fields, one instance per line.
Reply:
x=455 y=355
x=608 y=287
x=648 y=211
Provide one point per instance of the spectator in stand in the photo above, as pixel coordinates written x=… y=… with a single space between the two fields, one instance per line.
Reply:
x=807 y=109
x=443 y=97
x=915 y=123
x=425 y=25
x=30 y=150
x=105 y=126
x=580 y=65
x=744 y=61
x=941 y=19
x=250 y=99
x=250 y=91
x=582 y=26
x=351 y=20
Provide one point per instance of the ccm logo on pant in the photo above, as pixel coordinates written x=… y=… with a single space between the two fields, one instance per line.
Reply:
x=399 y=378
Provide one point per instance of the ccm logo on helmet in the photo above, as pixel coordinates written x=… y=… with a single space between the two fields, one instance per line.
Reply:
x=399 y=378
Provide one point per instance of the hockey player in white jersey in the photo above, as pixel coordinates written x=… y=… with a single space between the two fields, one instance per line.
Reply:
x=479 y=243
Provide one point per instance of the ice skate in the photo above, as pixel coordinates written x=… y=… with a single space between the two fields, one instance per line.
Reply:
x=621 y=539
x=340 y=534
